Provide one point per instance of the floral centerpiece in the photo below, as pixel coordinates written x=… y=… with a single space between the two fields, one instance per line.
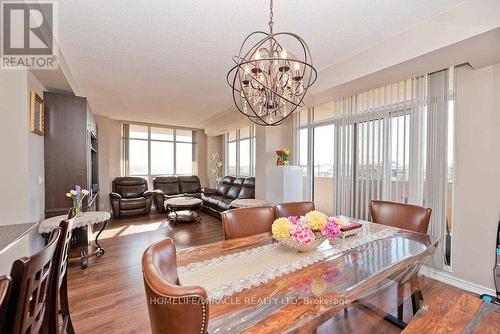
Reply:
x=77 y=195
x=305 y=233
x=282 y=157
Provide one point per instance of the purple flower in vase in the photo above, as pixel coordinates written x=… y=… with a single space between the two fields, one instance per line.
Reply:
x=78 y=194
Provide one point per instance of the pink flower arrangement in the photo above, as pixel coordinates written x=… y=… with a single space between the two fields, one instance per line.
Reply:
x=331 y=229
x=302 y=233
x=303 y=229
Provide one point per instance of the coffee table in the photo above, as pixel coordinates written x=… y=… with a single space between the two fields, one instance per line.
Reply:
x=182 y=209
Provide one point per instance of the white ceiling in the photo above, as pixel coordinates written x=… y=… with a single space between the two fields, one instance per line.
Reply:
x=166 y=61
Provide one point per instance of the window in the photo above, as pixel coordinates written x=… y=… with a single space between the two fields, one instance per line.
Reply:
x=240 y=151
x=152 y=150
x=387 y=143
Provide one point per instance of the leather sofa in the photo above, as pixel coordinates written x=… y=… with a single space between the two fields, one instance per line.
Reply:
x=166 y=187
x=219 y=200
x=130 y=197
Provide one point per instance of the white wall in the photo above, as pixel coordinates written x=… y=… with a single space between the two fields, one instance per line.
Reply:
x=267 y=141
x=22 y=167
x=36 y=168
x=200 y=166
x=477 y=188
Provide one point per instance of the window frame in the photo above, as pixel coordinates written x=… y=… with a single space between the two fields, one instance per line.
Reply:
x=238 y=139
x=126 y=149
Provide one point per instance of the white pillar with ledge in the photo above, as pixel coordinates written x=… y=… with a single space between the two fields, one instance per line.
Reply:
x=284 y=184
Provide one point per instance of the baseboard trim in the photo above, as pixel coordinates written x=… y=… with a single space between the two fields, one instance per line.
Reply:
x=445 y=277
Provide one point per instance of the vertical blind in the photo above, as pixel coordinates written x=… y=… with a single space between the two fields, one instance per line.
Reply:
x=376 y=129
x=391 y=143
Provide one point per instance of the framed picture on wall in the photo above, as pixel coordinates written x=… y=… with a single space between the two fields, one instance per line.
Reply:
x=37 y=114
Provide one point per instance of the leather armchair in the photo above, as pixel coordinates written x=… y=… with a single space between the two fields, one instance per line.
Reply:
x=172 y=308
x=130 y=197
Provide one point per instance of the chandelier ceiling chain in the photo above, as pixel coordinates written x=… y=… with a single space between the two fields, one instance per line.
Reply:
x=269 y=84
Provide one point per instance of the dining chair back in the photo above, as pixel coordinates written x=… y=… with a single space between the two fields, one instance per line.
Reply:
x=244 y=222
x=293 y=209
x=172 y=308
x=58 y=297
x=5 y=283
x=405 y=216
x=409 y=217
x=30 y=285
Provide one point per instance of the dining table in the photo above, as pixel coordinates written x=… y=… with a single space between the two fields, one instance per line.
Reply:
x=257 y=285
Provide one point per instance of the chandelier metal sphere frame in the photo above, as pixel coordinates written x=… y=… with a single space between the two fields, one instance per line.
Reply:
x=268 y=82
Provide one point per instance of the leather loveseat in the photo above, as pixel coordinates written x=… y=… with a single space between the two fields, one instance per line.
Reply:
x=219 y=200
x=130 y=197
x=166 y=187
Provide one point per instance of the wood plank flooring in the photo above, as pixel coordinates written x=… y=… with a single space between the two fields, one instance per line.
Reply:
x=108 y=296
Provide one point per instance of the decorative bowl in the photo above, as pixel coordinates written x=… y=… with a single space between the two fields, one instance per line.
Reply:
x=301 y=247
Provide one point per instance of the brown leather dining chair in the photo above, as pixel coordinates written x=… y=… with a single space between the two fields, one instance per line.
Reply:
x=409 y=217
x=293 y=209
x=244 y=222
x=172 y=308
x=5 y=283
x=58 y=296
x=27 y=303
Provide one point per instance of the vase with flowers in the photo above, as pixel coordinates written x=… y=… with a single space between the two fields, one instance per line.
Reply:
x=77 y=195
x=282 y=157
x=305 y=233
x=216 y=166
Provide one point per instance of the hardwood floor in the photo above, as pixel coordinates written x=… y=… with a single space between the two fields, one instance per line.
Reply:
x=108 y=296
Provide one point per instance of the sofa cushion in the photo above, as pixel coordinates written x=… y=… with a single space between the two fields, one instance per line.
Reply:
x=233 y=192
x=189 y=184
x=239 y=181
x=214 y=200
x=228 y=179
x=195 y=195
x=132 y=203
x=130 y=187
x=222 y=189
x=249 y=182
x=168 y=184
x=224 y=204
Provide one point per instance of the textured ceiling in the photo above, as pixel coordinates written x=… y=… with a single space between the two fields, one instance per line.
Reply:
x=166 y=61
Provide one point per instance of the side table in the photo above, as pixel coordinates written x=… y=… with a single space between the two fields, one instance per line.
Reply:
x=83 y=250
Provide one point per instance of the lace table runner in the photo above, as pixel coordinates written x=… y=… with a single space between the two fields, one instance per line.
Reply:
x=225 y=275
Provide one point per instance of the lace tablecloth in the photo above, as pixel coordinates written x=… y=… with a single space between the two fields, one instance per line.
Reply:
x=223 y=276
x=86 y=218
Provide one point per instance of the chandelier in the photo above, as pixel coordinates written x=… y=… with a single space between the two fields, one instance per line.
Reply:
x=269 y=82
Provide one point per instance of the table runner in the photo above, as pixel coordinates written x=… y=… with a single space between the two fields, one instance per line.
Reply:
x=223 y=276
